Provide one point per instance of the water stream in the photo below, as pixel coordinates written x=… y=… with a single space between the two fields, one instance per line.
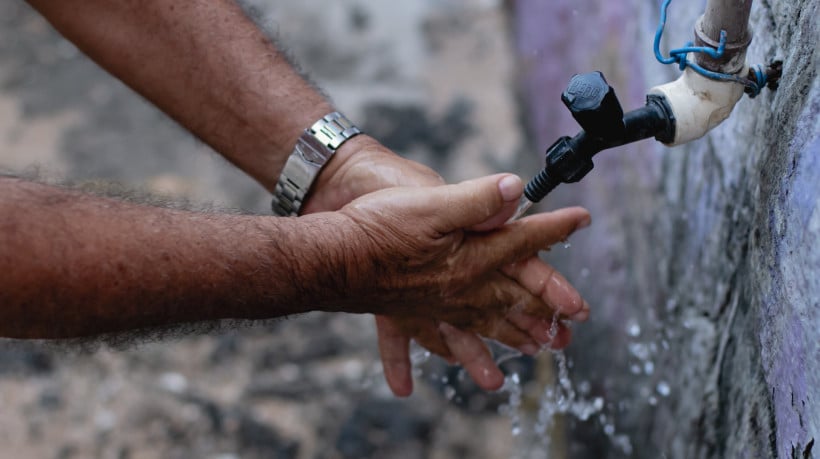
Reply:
x=524 y=205
x=561 y=398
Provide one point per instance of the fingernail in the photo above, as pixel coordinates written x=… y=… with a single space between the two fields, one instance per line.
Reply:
x=586 y=221
x=583 y=314
x=529 y=349
x=511 y=187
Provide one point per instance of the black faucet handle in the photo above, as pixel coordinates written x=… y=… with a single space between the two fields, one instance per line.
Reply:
x=594 y=105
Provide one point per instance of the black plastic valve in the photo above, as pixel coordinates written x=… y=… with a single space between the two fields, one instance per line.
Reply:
x=594 y=105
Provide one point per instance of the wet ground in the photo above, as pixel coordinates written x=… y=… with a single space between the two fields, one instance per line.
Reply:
x=433 y=80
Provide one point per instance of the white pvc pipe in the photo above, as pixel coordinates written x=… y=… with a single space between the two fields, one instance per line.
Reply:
x=698 y=103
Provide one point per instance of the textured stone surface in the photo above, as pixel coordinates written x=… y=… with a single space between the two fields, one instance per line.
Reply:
x=702 y=259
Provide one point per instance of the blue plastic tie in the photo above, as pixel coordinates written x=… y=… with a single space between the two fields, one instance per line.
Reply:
x=679 y=55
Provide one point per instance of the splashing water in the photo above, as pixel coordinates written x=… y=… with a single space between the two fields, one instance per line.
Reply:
x=561 y=399
x=512 y=409
x=418 y=356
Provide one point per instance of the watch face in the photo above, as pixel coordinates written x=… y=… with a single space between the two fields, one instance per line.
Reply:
x=312 y=150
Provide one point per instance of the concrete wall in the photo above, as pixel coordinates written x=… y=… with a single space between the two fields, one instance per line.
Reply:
x=702 y=265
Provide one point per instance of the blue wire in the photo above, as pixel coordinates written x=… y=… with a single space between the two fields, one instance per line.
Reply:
x=679 y=55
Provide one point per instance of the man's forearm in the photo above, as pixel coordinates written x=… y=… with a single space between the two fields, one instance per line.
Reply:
x=78 y=265
x=204 y=63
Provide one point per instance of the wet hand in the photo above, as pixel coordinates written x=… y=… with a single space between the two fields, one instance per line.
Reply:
x=362 y=166
x=436 y=269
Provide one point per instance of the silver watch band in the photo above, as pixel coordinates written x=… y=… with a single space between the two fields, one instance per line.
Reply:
x=313 y=149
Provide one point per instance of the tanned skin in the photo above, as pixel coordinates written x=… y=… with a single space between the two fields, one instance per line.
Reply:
x=210 y=68
x=95 y=265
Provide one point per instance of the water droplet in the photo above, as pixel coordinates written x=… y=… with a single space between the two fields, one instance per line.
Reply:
x=584 y=387
x=648 y=367
x=449 y=392
x=633 y=329
x=652 y=400
x=635 y=369
x=639 y=350
x=663 y=389
x=516 y=430
x=622 y=442
x=609 y=429
x=584 y=272
x=567 y=244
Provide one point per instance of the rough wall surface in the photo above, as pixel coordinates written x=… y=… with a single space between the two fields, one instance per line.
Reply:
x=702 y=264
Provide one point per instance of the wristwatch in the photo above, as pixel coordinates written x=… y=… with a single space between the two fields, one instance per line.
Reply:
x=313 y=149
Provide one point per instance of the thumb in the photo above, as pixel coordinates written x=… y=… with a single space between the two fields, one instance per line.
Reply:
x=474 y=201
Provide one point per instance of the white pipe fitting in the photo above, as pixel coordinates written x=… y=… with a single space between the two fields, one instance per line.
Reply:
x=698 y=103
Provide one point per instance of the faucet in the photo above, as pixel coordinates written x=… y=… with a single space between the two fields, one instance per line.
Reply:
x=594 y=105
x=675 y=113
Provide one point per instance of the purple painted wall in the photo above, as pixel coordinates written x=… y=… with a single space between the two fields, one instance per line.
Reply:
x=710 y=249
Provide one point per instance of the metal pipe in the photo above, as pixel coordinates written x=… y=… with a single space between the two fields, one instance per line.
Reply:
x=733 y=17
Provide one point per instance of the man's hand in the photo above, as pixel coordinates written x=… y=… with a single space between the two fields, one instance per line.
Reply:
x=363 y=165
x=420 y=261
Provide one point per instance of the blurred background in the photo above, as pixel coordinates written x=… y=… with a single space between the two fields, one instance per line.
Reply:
x=701 y=283
x=433 y=80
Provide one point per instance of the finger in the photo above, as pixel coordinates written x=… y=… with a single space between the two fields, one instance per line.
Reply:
x=507 y=333
x=507 y=211
x=562 y=337
x=502 y=216
x=473 y=356
x=547 y=333
x=394 y=348
x=425 y=332
x=540 y=330
x=490 y=301
x=525 y=237
x=543 y=281
x=472 y=202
